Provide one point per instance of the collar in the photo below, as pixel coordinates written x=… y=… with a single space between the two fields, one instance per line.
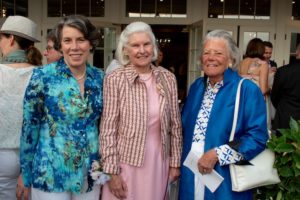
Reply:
x=229 y=74
x=132 y=74
x=64 y=69
x=217 y=84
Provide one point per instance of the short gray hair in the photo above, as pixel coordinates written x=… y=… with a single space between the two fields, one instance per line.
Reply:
x=80 y=23
x=134 y=27
x=234 y=51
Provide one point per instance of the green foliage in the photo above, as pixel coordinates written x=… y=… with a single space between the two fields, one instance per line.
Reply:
x=287 y=149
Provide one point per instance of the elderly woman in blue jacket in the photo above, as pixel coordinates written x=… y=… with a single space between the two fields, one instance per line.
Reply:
x=207 y=120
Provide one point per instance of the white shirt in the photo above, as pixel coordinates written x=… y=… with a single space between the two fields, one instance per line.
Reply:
x=13 y=83
x=114 y=64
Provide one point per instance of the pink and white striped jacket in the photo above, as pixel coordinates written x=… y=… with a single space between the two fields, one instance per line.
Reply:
x=124 y=118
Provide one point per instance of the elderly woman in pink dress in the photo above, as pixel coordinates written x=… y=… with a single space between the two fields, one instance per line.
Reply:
x=140 y=138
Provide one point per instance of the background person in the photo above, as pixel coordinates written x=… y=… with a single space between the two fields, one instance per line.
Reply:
x=207 y=120
x=17 y=37
x=254 y=67
x=50 y=52
x=285 y=94
x=268 y=55
x=272 y=69
x=140 y=136
x=114 y=64
x=62 y=108
x=160 y=57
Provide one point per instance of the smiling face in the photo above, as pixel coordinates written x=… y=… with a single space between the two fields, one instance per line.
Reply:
x=75 y=47
x=215 y=59
x=139 y=50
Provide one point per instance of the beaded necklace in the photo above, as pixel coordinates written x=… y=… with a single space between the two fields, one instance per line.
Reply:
x=81 y=77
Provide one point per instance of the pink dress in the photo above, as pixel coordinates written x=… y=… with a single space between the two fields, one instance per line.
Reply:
x=150 y=181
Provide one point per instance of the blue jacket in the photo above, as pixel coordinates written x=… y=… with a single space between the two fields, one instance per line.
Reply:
x=60 y=130
x=251 y=130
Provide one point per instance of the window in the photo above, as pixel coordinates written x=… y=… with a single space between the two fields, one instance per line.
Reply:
x=156 y=8
x=232 y=9
x=103 y=53
x=97 y=8
x=296 y=10
x=295 y=40
x=68 y=7
x=265 y=36
x=239 y=9
x=54 y=9
x=164 y=8
x=215 y=9
x=263 y=9
x=9 y=8
x=88 y=8
x=98 y=56
x=82 y=7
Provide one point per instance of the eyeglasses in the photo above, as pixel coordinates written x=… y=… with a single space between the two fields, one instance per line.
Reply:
x=48 y=48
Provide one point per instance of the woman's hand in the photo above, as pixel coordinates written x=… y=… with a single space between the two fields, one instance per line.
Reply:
x=22 y=191
x=174 y=173
x=207 y=162
x=117 y=186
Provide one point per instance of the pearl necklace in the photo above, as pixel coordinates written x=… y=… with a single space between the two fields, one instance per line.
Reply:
x=81 y=77
x=146 y=78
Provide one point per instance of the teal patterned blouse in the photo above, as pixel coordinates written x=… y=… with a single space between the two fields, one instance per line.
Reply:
x=60 y=131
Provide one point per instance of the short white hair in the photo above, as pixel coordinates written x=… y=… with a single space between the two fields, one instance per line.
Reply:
x=232 y=48
x=134 y=27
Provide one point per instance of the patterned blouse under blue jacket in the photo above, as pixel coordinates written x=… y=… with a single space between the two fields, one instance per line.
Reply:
x=60 y=129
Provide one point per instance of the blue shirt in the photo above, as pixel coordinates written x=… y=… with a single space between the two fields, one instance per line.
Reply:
x=226 y=155
x=60 y=130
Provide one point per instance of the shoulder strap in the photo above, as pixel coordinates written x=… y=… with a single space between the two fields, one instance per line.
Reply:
x=236 y=110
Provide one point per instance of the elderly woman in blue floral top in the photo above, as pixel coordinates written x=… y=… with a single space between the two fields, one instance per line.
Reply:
x=62 y=107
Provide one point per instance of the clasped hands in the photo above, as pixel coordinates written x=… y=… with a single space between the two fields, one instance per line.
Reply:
x=207 y=162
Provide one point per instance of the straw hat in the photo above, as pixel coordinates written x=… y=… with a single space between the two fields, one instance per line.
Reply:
x=20 y=26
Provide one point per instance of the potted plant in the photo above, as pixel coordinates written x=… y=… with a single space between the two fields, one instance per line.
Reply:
x=286 y=146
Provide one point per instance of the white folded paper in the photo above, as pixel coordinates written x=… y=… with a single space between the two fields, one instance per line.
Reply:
x=212 y=181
